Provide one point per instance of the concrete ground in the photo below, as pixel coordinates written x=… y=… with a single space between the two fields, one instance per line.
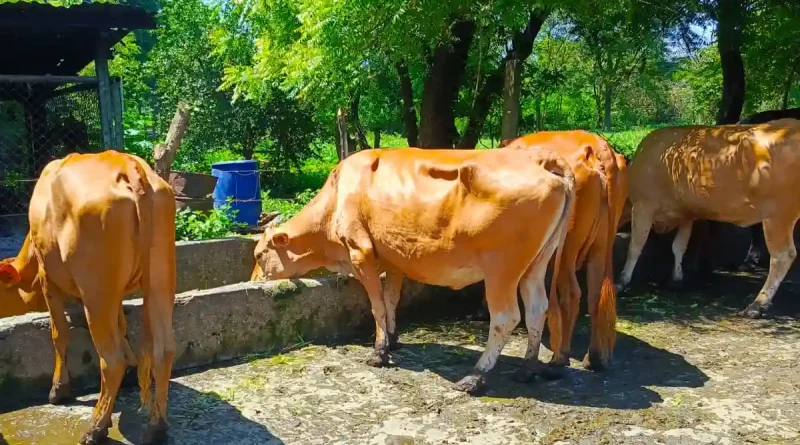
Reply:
x=686 y=371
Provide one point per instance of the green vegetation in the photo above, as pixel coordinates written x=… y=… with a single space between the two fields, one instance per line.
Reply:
x=265 y=78
x=196 y=226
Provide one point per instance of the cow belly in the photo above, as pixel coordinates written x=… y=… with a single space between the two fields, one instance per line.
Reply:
x=454 y=277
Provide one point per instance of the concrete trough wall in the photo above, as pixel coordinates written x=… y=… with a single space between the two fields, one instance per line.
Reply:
x=211 y=325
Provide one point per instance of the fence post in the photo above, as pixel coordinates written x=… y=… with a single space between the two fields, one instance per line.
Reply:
x=104 y=92
x=341 y=125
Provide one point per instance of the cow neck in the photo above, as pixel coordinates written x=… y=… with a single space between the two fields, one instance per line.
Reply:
x=313 y=223
x=27 y=265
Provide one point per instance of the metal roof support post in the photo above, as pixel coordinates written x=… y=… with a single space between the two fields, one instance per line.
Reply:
x=104 y=92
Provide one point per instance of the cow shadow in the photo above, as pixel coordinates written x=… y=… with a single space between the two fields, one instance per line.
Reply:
x=195 y=418
x=637 y=365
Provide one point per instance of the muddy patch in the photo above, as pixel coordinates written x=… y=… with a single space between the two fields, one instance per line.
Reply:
x=686 y=371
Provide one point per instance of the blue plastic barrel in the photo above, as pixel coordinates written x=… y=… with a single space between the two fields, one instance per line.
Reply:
x=238 y=180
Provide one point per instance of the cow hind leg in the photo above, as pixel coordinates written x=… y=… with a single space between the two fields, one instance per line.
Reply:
x=61 y=391
x=104 y=328
x=602 y=312
x=501 y=297
x=642 y=221
x=679 y=245
x=158 y=355
x=780 y=242
x=534 y=298
x=569 y=302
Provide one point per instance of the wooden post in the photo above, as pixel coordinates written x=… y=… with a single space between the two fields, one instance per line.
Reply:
x=117 y=104
x=164 y=154
x=341 y=125
x=511 y=104
x=104 y=93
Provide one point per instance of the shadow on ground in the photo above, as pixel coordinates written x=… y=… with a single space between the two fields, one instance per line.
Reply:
x=195 y=419
x=637 y=365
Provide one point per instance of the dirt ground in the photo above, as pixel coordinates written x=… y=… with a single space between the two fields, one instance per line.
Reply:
x=686 y=371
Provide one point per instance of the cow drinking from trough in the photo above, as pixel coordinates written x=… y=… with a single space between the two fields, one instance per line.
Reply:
x=101 y=226
x=600 y=193
x=739 y=174
x=443 y=217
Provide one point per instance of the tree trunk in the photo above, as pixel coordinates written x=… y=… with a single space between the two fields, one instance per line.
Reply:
x=522 y=46
x=377 y=143
x=409 y=113
x=437 y=116
x=607 y=98
x=355 y=120
x=164 y=154
x=511 y=106
x=731 y=18
x=787 y=87
x=341 y=135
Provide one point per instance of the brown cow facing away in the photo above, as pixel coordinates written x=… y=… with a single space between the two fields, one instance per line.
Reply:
x=101 y=226
x=600 y=193
x=739 y=174
x=443 y=217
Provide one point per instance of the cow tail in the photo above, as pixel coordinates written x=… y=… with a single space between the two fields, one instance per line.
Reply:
x=554 y=317
x=606 y=315
x=144 y=216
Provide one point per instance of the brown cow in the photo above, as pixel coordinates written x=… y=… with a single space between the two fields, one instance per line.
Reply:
x=739 y=174
x=600 y=193
x=102 y=226
x=442 y=217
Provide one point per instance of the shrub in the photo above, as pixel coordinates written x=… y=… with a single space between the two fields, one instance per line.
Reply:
x=196 y=225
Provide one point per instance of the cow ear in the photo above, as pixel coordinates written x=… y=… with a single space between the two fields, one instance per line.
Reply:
x=9 y=274
x=280 y=239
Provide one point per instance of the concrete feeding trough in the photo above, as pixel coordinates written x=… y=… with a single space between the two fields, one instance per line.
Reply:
x=218 y=316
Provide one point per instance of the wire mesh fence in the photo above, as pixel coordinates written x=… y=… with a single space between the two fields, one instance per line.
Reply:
x=39 y=122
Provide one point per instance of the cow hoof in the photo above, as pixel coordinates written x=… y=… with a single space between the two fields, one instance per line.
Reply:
x=61 y=394
x=155 y=434
x=675 y=285
x=472 y=384
x=620 y=288
x=394 y=342
x=594 y=362
x=378 y=359
x=753 y=310
x=94 y=436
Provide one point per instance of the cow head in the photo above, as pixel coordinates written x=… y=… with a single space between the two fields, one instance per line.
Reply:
x=280 y=255
x=18 y=294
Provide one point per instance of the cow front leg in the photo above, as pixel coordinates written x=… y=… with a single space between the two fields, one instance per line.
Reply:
x=366 y=271
x=679 y=245
x=501 y=296
x=61 y=391
x=392 y=290
x=640 y=229
x=780 y=242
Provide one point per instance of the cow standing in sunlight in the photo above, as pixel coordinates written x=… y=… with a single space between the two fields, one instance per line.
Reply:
x=739 y=174
x=600 y=193
x=443 y=217
x=101 y=226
